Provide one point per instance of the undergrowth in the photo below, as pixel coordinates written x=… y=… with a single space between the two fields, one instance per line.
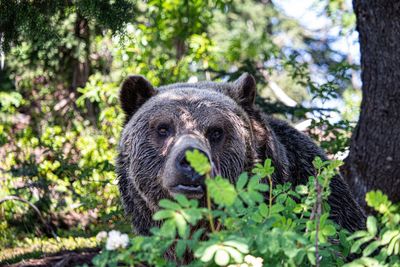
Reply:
x=256 y=223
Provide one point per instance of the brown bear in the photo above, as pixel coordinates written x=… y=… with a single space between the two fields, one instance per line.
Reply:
x=222 y=122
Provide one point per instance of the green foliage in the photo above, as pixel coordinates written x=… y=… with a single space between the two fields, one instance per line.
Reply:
x=198 y=161
x=22 y=20
x=281 y=233
x=177 y=216
x=251 y=232
x=379 y=244
x=61 y=64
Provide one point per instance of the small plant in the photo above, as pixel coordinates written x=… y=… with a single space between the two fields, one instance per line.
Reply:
x=252 y=223
x=379 y=244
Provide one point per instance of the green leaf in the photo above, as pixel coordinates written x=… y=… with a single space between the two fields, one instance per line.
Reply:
x=397 y=248
x=265 y=170
x=263 y=187
x=394 y=244
x=234 y=254
x=329 y=230
x=321 y=237
x=277 y=208
x=221 y=191
x=389 y=235
x=363 y=262
x=256 y=197
x=181 y=224
x=355 y=247
x=197 y=234
x=323 y=219
x=378 y=201
x=291 y=252
x=246 y=198
x=318 y=163
x=182 y=200
x=257 y=217
x=168 y=204
x=208 y=253
x=242 y=181
x=311 y=257
x=192 y=215
x=198 y=161
x=371 y=248
x=242 y=247
x=163 y=214
x=302 y=189
x=273 y=245
x=253 y=183
x=358 y=234
x=168 y=229
x=263 y=209
x=343 y=239
x=371 y=225
x=194 y=203
x=180 y=248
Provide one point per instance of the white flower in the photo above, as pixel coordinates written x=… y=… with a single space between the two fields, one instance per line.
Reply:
x=116 y=240
x=125 y=57
x=253 y=261
x=101 y=236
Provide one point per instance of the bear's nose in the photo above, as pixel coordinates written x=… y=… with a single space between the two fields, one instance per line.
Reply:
x=183 y=166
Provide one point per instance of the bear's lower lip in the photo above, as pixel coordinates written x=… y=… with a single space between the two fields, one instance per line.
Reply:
x=191 y=191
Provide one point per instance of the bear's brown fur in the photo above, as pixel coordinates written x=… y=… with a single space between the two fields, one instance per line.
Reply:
x=220 y=120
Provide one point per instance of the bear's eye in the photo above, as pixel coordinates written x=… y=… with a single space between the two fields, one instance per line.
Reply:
x=164 y=130
x=215 y=135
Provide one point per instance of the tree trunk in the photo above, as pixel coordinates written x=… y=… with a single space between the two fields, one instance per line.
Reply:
x=81 y=70
x=374 y=158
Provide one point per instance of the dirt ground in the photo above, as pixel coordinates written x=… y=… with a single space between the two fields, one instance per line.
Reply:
x=61 y=259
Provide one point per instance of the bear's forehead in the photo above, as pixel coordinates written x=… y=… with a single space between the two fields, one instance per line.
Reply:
x=195 y=107
x=193 y=99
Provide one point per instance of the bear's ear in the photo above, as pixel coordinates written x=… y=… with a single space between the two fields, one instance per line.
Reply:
x=245 y=90
x=135 y=91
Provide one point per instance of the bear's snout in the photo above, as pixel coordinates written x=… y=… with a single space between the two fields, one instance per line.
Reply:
x=179 y=177
x=187 y=180
x=183 y=166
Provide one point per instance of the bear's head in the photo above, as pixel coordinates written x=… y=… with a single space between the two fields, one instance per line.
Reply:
x=162 y=124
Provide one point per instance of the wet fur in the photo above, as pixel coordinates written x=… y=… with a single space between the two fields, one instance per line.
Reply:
x=255 y=137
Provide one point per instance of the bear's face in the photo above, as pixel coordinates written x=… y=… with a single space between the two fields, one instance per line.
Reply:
x=162 y=125
x=219 y=120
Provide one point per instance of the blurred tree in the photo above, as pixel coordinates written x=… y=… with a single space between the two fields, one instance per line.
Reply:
x=57 y=35
x=285 y=57
x=37 y=21
x=374 y=159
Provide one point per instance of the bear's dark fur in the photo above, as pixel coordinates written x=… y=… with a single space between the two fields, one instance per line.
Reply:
x=221 y=120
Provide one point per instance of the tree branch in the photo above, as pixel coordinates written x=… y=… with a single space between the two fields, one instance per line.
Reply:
x=10 y=198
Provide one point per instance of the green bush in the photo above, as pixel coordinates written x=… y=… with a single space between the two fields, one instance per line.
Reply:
x=238 y=228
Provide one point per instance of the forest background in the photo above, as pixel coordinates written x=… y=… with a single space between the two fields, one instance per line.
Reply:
x=61 y=64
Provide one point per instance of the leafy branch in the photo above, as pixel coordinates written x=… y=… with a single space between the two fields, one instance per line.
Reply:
x=291 y=228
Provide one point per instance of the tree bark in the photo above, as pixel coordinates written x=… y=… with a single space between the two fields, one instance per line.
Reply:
x=81 y=69
x=374 y=158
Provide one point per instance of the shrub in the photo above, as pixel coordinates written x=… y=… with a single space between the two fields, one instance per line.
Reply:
x=291 y=228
